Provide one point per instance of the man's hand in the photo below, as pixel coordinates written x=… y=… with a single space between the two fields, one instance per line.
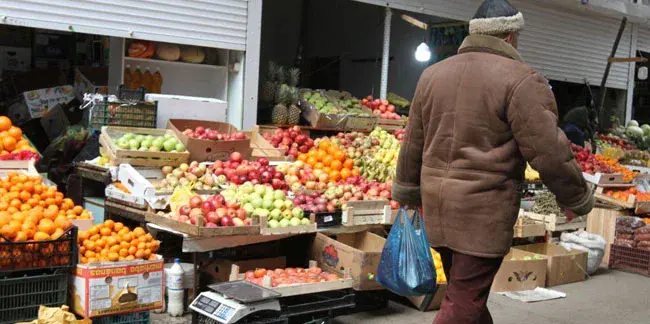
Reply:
x=570 y=215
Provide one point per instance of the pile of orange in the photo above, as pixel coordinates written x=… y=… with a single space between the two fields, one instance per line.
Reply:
x=112 y=241
x=11 y=138
x=32 y=211
x=331 y=160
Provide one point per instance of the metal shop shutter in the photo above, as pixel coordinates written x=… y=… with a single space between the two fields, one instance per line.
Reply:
x=567 y=46
x=643 y=39
x=210 y=23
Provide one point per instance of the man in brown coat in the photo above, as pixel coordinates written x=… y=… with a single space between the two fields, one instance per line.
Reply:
x=476 y=118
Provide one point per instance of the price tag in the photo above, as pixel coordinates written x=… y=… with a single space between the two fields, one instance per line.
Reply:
x=328 y=218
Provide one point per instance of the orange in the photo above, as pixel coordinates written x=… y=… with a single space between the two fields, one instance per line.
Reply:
x=15 y=132
x=117 y=227
x=40 y=236
x=101 y=243
x=57 y=233
x=321 y=155
x=356 y=172
x=348 y=164
x=114 y=248
x=49 y=213
x=311 y=160
x=113 y=256
x=139 y=254
x=147 y=253
x=46 y=226
x=142 y=246
x=324 y=144
x=328 y=160
x=129 y=258
x=20 y=237
x=89 y=254
x=82 y=236
x=336 y=165
x=109 y=224
x=335 y=175
x=110 y=241
x=302 y=157
x=339 y=155
x=345 y=173
x=332 y=150
x=138 y=231
x=9 y=143
x=319 y=165
x=124 y=252
x=5 y=123
x=77 y=210
x=132 y=250
x=105 y=231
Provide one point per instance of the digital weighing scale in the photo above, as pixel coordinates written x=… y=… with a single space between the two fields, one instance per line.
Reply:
x=229 y=302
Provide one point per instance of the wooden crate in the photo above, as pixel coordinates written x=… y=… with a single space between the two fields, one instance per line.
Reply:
x=600 y=195
x=139 y=158
x=300 y=229
x=262 y=148
x=607 y=179
x=602 y=221
x=523 y=230
x=367 y=212
x=391 y=124
x=556 y=223
x=641 y=207
x=199 y=229
x=303 y=288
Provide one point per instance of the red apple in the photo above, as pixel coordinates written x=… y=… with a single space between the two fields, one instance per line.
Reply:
x=195 y=201
x=184 y=210
x=212 y=217
x=221 y=212
x=240 y=213
x=236 y=157
x=225 y=221
x=199 y=130
x=207 y=207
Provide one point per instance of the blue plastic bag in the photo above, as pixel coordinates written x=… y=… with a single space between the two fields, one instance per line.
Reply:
x=406 y=266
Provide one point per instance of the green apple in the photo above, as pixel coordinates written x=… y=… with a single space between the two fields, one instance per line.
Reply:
x=128 y=136
x=248 y=207
x=134 y=144
x=288 y=204
x=305 y=221
x=168 y=136
x=268 y=204
x=274 y=223
x=297 y=212
x=276 y=214
x=254 y=196
x=122 y=143
x=169 y=145
x=260 y=190
x=180 y=147
x=139 y=138
x=278 y=204
x=257 y=203
x=149 y=138
x=294 y=221
x=278 y=195
x=286 y=214
x=284 y=222
x=154 y=149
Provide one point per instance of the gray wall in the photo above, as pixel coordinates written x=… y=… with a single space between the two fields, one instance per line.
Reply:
x=350 y=30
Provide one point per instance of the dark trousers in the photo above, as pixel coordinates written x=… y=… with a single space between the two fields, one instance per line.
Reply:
x=470 y=279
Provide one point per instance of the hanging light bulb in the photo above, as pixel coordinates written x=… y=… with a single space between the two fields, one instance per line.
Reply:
x=422 y=53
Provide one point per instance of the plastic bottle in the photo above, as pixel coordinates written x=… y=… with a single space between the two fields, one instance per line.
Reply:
x=175 y=289
x=157 y=81
x=136 y=78
x=147 y=80
x=127 y=76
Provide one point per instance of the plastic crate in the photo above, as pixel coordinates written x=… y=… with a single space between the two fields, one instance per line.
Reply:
x=53 y=254
x=630 y=259
x=123 y=113
x=327 y=219
x=21 y=297
x=128 y=94
x=131 y=318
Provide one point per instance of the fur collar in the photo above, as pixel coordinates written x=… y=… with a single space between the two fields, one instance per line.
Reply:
x=489 y=44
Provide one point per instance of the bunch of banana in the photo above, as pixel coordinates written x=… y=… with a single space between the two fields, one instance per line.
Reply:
x=531 y=175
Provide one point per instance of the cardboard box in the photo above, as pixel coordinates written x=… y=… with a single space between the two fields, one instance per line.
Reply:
x=206 y=150
x=517 y=274
x=359 y=252
x=176 y=107
x=563 y=266
x=219 y=269
x=317 y=119
x=111 y=288
x=55 y=122
x=430 y=302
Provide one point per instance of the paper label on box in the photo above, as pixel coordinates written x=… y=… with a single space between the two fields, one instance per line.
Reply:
x=328 y=218
x=97 y=304
x=99 y=291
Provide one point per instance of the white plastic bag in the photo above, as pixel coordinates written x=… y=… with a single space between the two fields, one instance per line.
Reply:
x=593 y=244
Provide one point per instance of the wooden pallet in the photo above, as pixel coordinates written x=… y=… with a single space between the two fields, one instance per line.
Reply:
x=602 y=221
x=367 y=212
x=554 y=223
x=139 y=158
x=300 y=289
x=300 y=229
x=199 y=229
x=600 y=195
x=391 y=124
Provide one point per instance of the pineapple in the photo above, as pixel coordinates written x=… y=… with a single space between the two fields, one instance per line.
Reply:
x=293 y=117
x=294 y=78
x=279 y=114
x=270 y=86
x=284 y=95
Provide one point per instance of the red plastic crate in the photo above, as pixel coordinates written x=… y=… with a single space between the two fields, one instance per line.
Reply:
x=630 y=259
x=53 y=254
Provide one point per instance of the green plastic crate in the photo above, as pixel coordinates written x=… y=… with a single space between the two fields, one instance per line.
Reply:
x=131 y=318
x=21 y=297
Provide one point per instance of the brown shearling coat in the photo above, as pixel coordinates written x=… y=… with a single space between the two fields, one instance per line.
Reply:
x=474 y=121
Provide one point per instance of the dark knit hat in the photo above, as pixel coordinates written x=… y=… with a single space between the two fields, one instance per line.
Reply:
x=496 y=17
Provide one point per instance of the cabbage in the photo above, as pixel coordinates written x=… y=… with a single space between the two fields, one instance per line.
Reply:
x=634 y=131
x=633 y=123
x=646 y=129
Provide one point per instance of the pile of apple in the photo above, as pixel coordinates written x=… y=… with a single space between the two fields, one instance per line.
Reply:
x=381 y=108
x=399 y=134
x=149 y=143
x=186 y=174
x=203 y=133
x=314 y=202
x=238 y=171
x=291 y=140
x=299 y=174
x=289 y=276
x=214 y=211
x=264 y=201
x=374 y=190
